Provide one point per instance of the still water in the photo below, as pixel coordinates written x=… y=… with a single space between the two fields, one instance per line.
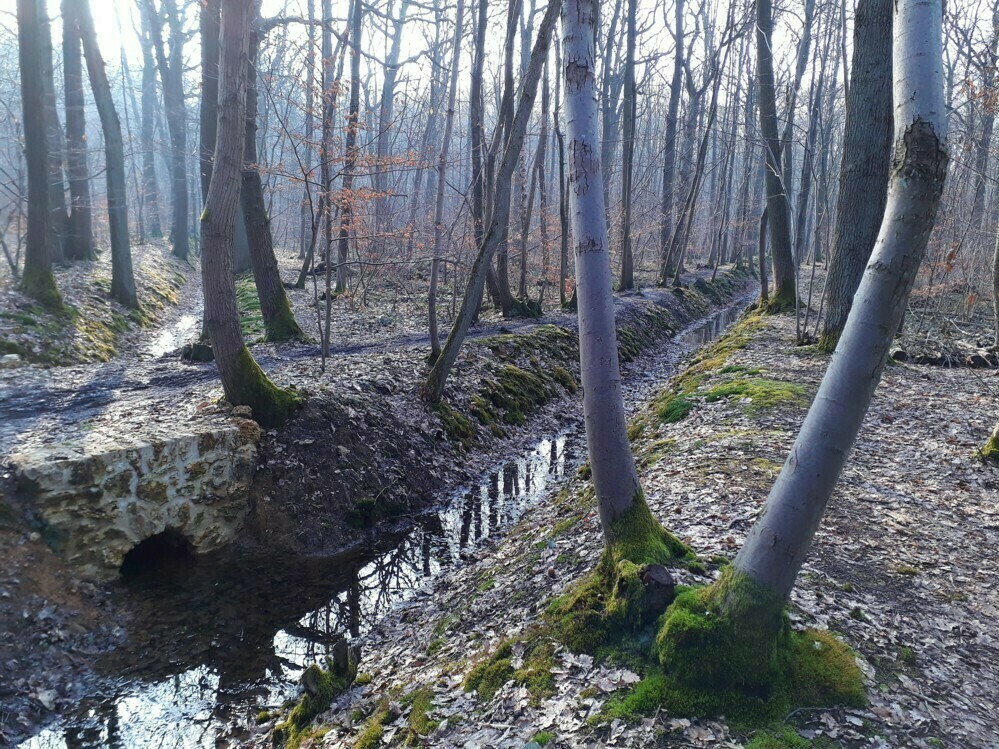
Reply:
x=214 y=640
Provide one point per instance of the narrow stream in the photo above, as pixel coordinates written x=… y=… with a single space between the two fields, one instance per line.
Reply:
x=214 y=640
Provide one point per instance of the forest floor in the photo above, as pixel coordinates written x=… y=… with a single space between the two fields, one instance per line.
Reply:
x=53 y=626
x=903 y=569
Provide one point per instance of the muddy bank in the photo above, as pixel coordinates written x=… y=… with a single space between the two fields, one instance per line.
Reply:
x=373 y=452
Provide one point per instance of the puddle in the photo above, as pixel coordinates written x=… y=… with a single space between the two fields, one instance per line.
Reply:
x=172 y=338
x=214 y=640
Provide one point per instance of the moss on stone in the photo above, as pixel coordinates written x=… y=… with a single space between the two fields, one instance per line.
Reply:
x=564 y=378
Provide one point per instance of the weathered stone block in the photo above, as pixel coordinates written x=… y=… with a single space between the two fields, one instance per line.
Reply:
x=99 y=500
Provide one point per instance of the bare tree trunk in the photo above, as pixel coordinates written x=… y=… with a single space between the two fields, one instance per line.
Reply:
x=669 y=149
x=627 y=278
x=122 y=278
x=995 y=293
x=386 y=114
x=172 y=77
x=780 y=539
x=563 y=192
x=79 y=229
x=37 y=280
x=500 y=215
x=864 y=170
x=778 y=222
x=350 y=147
x=435 y=344
x=58 y=214
x=305 y=218
x=150 y=187
x=279 y=320
x=243 y=381
x=630 y=531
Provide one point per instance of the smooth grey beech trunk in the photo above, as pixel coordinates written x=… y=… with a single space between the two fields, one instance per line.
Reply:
x=435 y=343
x=499 y=217
x=780 y=539
x=866 y=160
x=615 y=479
x=122 y=277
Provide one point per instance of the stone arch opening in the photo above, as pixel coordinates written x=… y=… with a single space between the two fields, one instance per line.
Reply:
x=158 y=553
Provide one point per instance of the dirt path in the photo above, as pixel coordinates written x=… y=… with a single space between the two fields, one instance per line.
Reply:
x=41 y=404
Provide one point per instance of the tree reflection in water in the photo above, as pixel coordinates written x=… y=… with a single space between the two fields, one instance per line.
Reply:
x=210 y=643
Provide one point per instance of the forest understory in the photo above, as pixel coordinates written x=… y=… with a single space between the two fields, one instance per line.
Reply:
x=897 y=572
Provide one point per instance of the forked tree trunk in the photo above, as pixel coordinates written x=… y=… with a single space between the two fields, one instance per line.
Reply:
x=781 y=537
x=435 y=343
x=499 y=218
x=37 y=280
x=79 y=229
x=122 y=278
x=779 y=227
x=279 y=320
x=243 y=381
x=864 y=170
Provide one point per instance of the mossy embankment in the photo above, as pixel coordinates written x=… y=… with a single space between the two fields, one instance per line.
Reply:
x=353 y=460
x=89 y=326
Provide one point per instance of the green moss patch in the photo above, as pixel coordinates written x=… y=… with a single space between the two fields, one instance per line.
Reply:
x=990 y=451
x=728 y=649
x=420 y=724
x=762 y=393
x=456 y=425
x=534 y=672
x=322 y=686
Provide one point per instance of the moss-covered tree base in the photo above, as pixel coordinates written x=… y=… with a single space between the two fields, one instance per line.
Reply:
x=990 y=452
x=782 y=299
x=321 y=687
x=727 y=649
x=283 y=326
x=828 y=342
x=40 y=285
x=623 y=596
x=271 y=405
